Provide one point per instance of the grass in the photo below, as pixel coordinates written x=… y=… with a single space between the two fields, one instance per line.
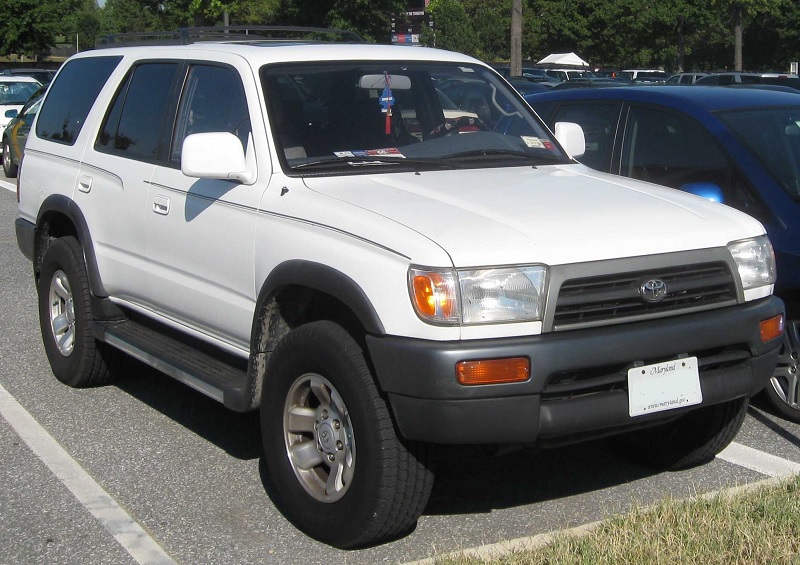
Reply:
x=748 y=526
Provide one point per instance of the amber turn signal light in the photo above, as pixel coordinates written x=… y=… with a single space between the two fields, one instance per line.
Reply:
x=493 y=371
x=772 y=328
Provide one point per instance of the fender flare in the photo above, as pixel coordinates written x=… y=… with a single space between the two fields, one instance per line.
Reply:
x=324 y=279
x=63 y=205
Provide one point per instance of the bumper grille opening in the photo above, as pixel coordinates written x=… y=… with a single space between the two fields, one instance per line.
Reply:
x=568 y=384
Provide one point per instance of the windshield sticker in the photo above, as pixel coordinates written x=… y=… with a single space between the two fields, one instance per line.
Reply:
x=534 y=142
x=466 y=70
x=386 y=152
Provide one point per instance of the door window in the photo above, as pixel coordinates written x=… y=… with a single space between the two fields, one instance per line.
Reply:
x=675 y=150
x=213 y=100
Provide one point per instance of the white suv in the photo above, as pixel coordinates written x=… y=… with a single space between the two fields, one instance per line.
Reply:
x=301 y=229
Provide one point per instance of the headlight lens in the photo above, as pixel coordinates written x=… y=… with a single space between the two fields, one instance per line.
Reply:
x=479 y=296
x=755 y=260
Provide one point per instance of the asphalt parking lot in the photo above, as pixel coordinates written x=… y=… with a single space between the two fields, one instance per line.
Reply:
x=150 y=471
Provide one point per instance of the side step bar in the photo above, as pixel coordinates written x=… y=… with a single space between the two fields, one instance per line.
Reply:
x=192 y=365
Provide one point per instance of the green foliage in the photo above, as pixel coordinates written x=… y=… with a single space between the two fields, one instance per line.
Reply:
x=452 y=27
x=670 y=34
x=29 y=27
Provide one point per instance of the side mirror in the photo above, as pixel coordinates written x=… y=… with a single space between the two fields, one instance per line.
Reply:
x=11 y=113
x=707 y=190
x=571 y=138
x=218 y=155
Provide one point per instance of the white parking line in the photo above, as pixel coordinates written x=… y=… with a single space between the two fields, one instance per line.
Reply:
x=8 y=185
x=756 y=460
x=91 y=495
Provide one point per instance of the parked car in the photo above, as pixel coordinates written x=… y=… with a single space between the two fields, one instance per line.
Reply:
x=643 y=75
x=14 y=92
x=529 y=73
x=259 y=221
x=737 y=78
x=525 y=86
x=16 y=133
x=686 y=78
x=740 y=147
x=44 y=76
x=568 y=74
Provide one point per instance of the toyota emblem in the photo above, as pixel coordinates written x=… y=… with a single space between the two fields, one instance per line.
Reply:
x=653 y=290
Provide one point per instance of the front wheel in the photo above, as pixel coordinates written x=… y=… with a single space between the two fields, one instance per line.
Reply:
x=782 y=391
x=337 y=469
x=65 y=317
x=691 y=440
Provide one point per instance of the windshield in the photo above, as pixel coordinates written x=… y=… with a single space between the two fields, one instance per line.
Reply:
x=330 y=117
x=17 y=93
x=773 y=135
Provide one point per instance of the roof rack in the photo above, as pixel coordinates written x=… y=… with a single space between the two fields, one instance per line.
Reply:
x=189 y=35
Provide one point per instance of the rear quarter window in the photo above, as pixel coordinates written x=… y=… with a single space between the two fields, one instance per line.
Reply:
x=71 y=97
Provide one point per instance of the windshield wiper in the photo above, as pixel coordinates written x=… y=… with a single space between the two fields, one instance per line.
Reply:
x=348 y=162
x=493 y=153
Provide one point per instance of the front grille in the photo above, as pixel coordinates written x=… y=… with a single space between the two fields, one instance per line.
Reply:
x=611 y=298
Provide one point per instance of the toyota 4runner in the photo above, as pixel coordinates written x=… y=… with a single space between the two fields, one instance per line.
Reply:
x=381 y=248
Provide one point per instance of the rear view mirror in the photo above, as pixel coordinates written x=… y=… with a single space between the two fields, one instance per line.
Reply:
x=11 y=113
x=217 y=155
x=396 y=82
x=707 y=190
x=571 y=138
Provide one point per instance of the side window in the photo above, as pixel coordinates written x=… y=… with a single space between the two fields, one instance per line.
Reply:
x=134 y=124
x=213 y=100
x=599 y=123
x=675 y=150
x=71 y=98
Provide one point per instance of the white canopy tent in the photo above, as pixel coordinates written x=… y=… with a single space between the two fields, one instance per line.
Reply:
x=564 y=60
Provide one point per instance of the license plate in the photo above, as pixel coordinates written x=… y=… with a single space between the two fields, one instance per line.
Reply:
x=663 y=386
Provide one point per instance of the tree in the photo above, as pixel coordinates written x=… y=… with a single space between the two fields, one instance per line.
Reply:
x=30 y=27
x=453 y=27
x=740 y=13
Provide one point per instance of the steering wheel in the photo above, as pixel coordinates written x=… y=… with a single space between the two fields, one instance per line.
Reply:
x=462 y=124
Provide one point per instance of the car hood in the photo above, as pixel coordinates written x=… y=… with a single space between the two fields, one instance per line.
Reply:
x=551 y=214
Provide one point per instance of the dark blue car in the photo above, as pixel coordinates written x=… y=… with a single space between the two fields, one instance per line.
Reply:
x=740 y=147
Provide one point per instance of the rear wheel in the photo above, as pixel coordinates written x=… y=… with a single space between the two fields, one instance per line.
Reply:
x=691 y=440
x=782 y=391
x=9 y=168
x=65 y=318
x=338 y=470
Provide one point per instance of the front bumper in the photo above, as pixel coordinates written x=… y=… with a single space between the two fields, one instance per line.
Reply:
x=578 y=384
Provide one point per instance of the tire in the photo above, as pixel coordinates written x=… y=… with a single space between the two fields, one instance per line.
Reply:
x=335 y=466
x=9 y=168
x=692 y=440
x=65 y=317
x=782 y=391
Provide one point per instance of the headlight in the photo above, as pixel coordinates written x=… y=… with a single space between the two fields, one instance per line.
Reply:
x=478 y=296
x=755 y=260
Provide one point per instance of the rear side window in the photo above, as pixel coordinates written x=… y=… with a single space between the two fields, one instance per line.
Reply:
x=71 y=98
x=134 y=125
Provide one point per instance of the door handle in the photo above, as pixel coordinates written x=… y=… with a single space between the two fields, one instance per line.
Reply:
x=161 y=205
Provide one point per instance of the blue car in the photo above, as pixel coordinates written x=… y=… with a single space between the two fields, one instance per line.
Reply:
x=740 y=147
